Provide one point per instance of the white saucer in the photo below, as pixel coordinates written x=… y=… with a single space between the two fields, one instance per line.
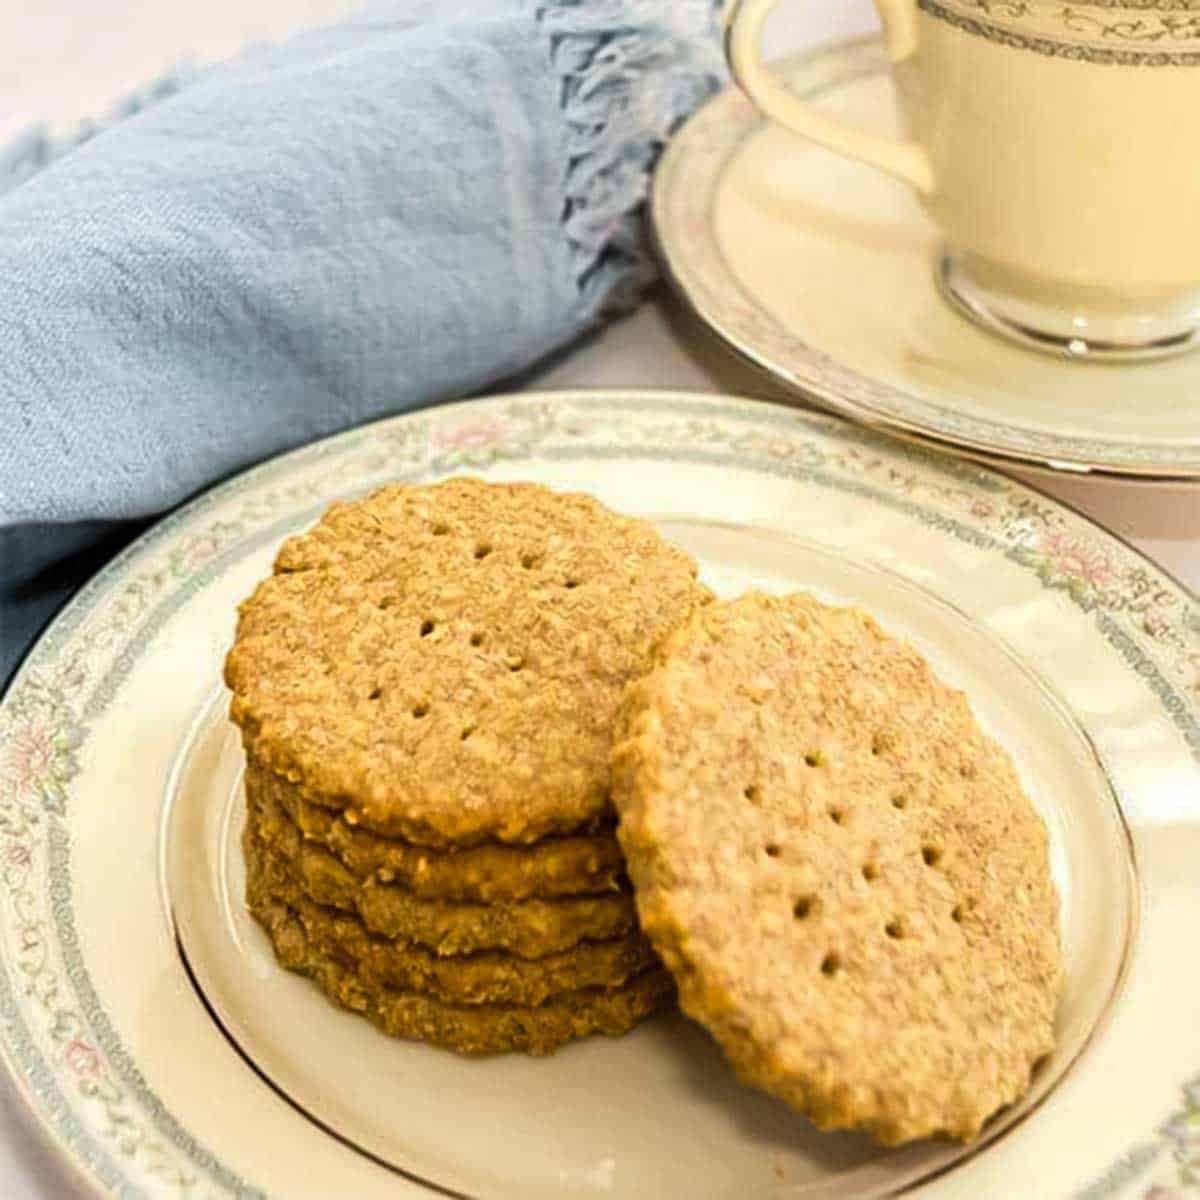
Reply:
x=821 y=270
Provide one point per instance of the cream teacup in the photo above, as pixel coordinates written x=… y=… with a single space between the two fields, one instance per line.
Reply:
x=1057 y=147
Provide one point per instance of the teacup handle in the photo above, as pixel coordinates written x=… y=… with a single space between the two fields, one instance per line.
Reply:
x=743 y=37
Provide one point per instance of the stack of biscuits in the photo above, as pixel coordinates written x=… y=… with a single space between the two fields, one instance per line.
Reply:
x=427 y=687
x=447 y=694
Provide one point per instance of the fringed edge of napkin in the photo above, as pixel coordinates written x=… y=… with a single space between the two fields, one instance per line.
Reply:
x=36 y=148
x=631 y=71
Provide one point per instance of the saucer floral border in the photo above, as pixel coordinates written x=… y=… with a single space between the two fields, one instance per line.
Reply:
x=72 y=1066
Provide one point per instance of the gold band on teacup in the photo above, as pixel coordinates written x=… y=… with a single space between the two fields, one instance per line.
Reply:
x=1136 y=33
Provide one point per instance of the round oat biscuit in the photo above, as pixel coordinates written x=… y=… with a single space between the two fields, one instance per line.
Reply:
x=470 y=1029
x=527 y=928
x=839 y=868
x=568 y=865
x=487 y=977
x=445 y=662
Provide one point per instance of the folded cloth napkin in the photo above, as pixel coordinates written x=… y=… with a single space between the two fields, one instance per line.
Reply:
x=401 y=208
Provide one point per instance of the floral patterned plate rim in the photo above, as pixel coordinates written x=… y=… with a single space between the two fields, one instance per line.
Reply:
x=863 y=248
x=101 y=1031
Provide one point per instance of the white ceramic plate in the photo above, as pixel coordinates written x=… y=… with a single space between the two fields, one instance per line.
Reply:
x=148 y=1027
x=822 y=271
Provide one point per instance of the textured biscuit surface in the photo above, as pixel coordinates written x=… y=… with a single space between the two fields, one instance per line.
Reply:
x=840 y=869
x=492 y=871
x=445 y=662
x=527 y=928
x=469 y=1029
x=474 y=979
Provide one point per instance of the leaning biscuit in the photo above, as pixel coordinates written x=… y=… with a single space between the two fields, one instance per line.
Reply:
x=840 y=869
x=528 y=928
x=470 y=1029
x=487 y=977
x=569 y=865
x=445 y=662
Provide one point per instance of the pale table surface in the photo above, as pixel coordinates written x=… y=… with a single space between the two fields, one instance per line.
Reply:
x=66 y=59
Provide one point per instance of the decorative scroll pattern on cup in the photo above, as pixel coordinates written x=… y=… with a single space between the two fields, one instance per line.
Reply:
x=1142 y=33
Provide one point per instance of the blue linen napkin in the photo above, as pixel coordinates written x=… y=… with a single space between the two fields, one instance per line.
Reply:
x=401 y=208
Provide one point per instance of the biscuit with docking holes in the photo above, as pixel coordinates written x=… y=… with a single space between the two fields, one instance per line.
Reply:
x=840 y=869
x=444 y=662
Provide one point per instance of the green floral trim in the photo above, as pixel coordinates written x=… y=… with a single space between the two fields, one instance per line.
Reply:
x=1176 y=1149
x=58 y=1037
